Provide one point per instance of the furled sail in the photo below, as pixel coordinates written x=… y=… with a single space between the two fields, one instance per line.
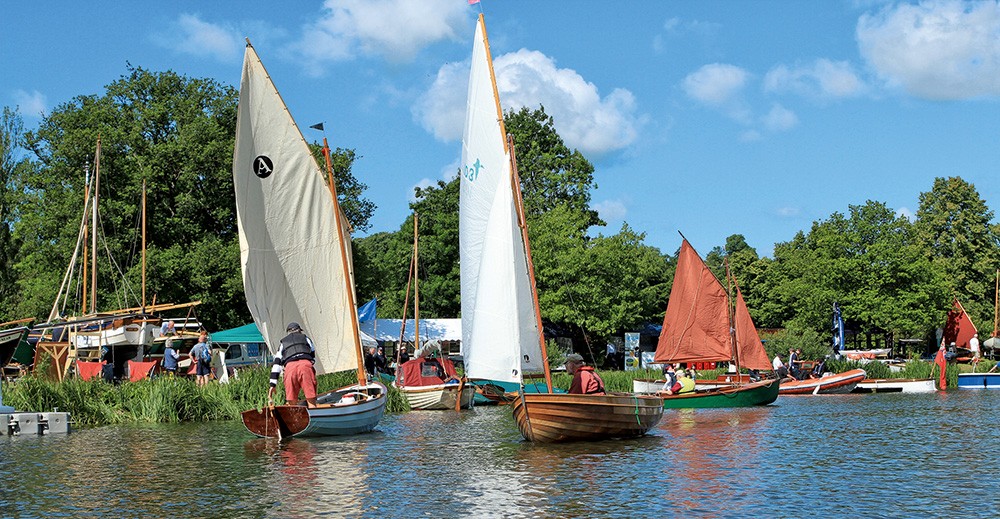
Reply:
x=500 y=336
x=290 y=247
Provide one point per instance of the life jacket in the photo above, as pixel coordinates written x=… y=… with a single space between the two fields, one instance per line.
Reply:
x=295 y=346
x=589 y=372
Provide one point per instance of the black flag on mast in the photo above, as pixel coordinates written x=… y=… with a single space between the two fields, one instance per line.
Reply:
x=317 y=126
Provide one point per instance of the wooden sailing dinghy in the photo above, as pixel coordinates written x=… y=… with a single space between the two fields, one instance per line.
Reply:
x=705 y=323
x=501 y=323
x=428 y=383
x=295 y=257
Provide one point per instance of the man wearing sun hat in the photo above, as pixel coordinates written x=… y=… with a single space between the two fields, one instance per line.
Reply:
x=586 y=381
x=295 y=358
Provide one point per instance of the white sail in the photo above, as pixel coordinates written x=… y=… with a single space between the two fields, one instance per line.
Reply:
x=289 y=243
x=500 y=336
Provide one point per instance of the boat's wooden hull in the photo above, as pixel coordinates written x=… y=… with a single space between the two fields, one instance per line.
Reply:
x=9 y=340
x=438 y=397
x=979 y=381
x=895 y=385
x=562 y=417
x=827 y=385
x=763 y=392
x=332 y=417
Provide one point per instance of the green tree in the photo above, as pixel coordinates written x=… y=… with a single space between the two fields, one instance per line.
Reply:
x=176 y=133
x=551 y=173
x=13 y=166
x=870 y=262
x=953 y=226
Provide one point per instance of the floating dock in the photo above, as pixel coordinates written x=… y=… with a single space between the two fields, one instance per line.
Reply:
x=18 y=423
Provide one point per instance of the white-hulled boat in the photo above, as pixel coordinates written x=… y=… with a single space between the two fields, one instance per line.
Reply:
x=895 y=385
x=295 y=258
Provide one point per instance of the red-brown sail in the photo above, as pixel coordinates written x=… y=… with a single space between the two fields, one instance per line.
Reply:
x=959 y=328
x=696 y=325
x=752 y=354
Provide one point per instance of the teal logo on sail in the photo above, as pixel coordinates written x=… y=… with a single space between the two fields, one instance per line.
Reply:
x=472 y=170
x=262 y=166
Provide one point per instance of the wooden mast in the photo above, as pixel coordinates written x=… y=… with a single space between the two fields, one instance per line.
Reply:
x=730 y=308
x=402 y=326
x=143 y=246
x=416 y=286
x=93 y=243
x=515 y=181
x=362 y=378
x=996 y=305
x=86 y=200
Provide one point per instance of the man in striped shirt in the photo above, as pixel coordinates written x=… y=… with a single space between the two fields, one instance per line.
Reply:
x=295 y=358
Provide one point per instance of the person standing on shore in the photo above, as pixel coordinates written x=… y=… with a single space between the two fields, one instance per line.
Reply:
x=201 y=356
x=170 y=358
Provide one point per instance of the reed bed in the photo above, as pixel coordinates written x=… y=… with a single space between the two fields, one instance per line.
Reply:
x=161 y=399
x=179 y=399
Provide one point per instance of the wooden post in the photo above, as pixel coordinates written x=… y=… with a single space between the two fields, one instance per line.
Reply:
x=416 y=286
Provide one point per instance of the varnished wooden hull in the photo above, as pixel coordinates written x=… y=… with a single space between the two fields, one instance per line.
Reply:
x=562 y=417
x=331 y=418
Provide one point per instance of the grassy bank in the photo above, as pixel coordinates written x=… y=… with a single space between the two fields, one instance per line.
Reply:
x=160 y=400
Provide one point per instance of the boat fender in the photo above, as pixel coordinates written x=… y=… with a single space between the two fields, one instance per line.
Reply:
x=352 y=398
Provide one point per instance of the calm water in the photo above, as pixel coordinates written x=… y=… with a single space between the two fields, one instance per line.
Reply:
x=859 y=455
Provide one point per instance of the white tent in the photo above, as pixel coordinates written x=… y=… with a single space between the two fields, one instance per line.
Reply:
x=388 y=329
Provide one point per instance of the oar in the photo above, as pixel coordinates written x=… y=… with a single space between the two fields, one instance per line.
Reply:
x=458 y=399
x=277 y=419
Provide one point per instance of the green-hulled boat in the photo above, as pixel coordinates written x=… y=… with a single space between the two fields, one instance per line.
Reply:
x=745 y=395
x=705 y=322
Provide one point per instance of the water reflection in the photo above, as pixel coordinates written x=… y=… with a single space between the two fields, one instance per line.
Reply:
x=830 y=455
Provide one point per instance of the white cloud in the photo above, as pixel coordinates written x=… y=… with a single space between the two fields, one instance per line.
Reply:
x=822 y=79
x=716 y=84
x=191 y=35
x=905 y=212
x=441 y=110
x=584 y=119
x=780 y=119
x=30 y=104
x=394 y=29
x=450 y=172
x=720 y=86
x=788 y=212
x=935 y=50
x=610 y=210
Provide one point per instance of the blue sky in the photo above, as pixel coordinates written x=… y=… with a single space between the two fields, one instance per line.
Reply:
x=711 y=118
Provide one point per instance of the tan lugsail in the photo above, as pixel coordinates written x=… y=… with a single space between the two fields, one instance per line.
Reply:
x=500 y=335
x=290 y=246
x=959 y=327
x=751 y=349
x=697 y=324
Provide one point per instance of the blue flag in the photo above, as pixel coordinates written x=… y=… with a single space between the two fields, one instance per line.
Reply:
x=838 y=329
x=367 y=311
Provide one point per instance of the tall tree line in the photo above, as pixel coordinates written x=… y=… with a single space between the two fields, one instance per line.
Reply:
x=893 y=276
